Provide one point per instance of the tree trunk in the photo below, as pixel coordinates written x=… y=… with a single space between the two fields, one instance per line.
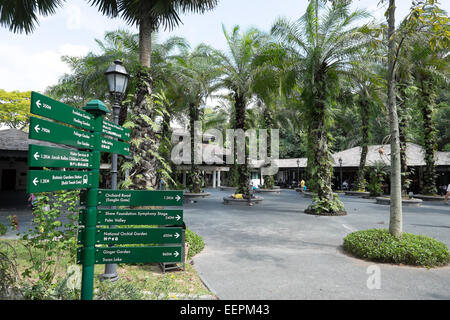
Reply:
x=242 y=169
x=194 y=174
x=144 y=141
x=426 y=103
x=403 y=123
x=364 y=112
x=395 y=223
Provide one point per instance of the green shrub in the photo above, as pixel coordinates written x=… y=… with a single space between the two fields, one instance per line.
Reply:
x=3 y=229
x=196 y=243
x=380 y=246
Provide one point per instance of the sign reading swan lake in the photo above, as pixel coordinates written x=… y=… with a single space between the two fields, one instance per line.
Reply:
x=135 y=235
x=41 y=156
x=136 y=217
x=52 y=109
x=44 y=181
x=139 y=198
x=111 y=129
x=41 y=129
x=135 y=254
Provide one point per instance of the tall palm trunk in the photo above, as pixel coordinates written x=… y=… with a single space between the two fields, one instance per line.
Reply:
x=242 y=169
x=395 y=222
x=269 y=181
x=194 y=174
x=144 y=141
x=364 y=112
x=403 y=123
x=426 y=103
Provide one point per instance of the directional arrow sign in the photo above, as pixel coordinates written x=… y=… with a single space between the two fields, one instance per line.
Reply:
x=49 y=131
x=136 y=236
x=135 y=254
x=114 y=146
x=139 y=198
x=115 y=130
x=41 y=156
x=52 y=109
x=136 y=217
x=43 y=181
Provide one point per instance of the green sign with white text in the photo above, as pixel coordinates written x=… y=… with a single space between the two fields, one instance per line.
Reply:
x=135 y=254
x=115 y=130
x=135 y=235
x=139 y=198
x=126 y=217
x=42 y=156
x=52 y=109
x=53 y=132
x=48 y=180
x=114 y=146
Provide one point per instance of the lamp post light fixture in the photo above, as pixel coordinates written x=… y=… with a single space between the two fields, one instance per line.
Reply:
x=117 y=78
x=340 y=166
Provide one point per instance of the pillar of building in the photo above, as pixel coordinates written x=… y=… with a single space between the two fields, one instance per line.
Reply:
x=218 y=178
x=214 y=179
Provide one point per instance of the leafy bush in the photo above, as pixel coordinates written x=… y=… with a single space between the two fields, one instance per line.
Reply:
x=196 y=243
x=380 y=246
x=3 y=229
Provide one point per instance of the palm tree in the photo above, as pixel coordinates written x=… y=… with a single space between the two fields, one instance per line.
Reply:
x=431 y=66
x=237 y=75
x=195 y=73
x=148 y=16
x=323 y=47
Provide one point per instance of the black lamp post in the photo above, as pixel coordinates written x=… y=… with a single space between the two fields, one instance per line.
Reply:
x=340 y=166
x=298 y=171
x=117 y=78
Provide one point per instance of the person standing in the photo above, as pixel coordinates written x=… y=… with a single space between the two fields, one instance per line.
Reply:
x=302 y=185
x=447 y=194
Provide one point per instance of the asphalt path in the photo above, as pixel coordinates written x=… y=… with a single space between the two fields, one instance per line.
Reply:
x=275 y=251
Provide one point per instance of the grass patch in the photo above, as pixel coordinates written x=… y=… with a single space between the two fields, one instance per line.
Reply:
x=137 y=281
x=380 y=246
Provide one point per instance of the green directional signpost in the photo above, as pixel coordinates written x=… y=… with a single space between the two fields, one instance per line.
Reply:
x=83 y=129
x=42 y=156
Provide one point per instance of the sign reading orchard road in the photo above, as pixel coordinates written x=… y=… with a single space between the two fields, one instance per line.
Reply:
x=136 y=254
x=115 y=130
x=125 y=217
x=136 y=235
x=52 y=109
x=41 y=156
x=49 y=131
x=139 y=198
x=43 y=181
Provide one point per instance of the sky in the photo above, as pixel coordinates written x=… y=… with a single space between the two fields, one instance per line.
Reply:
x=33 y=62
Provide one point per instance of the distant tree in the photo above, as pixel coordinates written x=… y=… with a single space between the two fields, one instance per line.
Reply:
x=15 y=108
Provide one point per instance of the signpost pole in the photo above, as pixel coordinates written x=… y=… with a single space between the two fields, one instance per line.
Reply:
x=98 y=110
x=111 y=269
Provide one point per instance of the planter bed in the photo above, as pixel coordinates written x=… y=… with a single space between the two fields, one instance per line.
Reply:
x=269 y=191
x=243 y=202
x=405 y=203
x=188 y=196
x=429 y=198
x=357 y=193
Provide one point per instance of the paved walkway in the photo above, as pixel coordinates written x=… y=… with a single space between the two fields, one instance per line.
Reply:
x=275 y=251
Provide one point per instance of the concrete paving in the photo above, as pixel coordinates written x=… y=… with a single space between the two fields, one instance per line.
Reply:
x=275 y=251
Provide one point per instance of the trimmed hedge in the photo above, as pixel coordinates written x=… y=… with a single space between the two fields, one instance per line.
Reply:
x=196 y=243
x=380 y=246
